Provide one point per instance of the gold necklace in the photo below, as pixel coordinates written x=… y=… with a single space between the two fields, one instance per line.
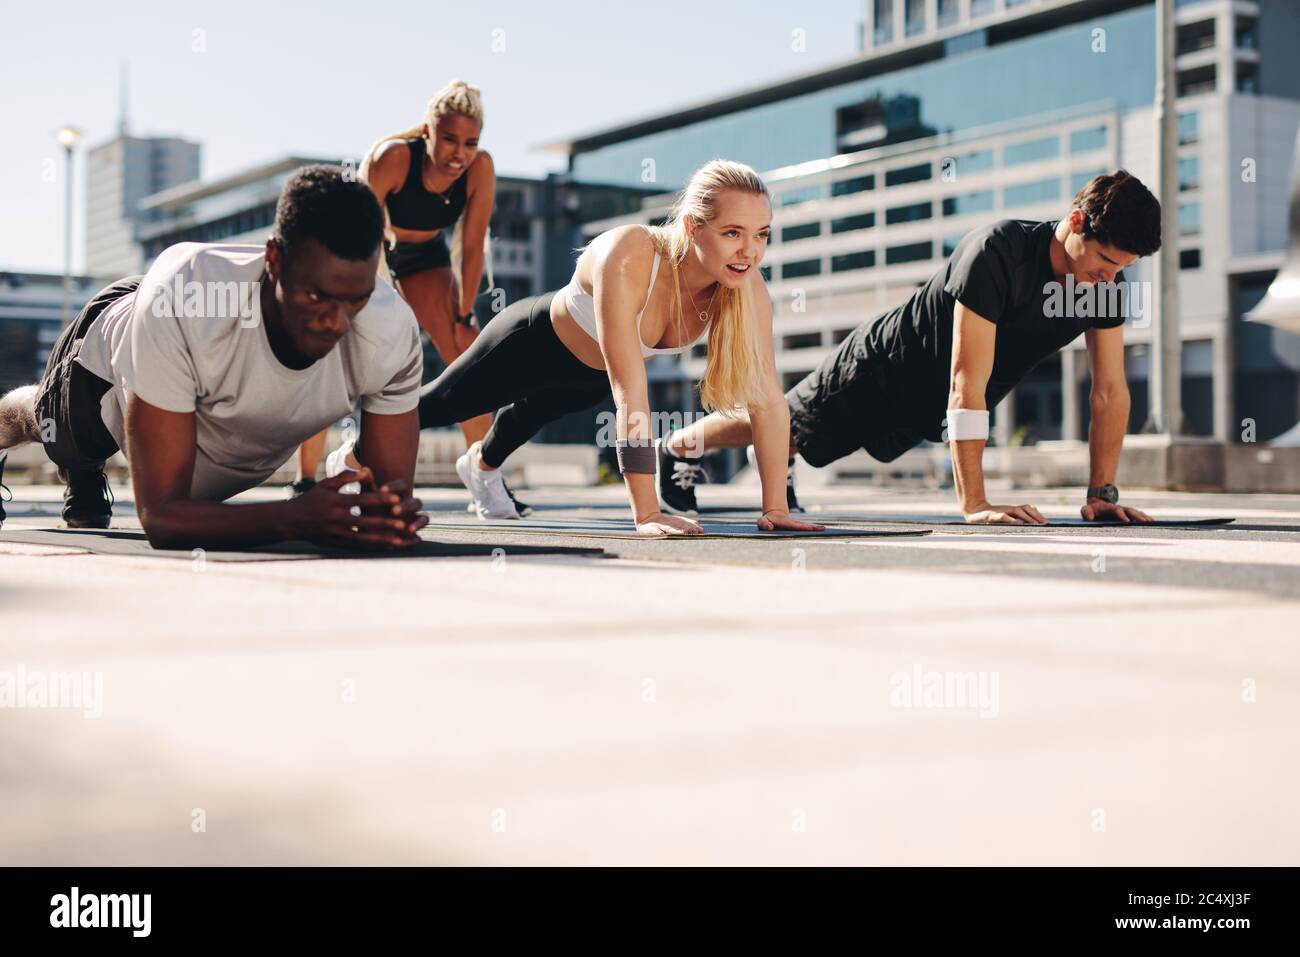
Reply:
x=446 y=200
x=704 y=315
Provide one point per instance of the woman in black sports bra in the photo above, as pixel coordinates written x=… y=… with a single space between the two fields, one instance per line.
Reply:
x=429 y=179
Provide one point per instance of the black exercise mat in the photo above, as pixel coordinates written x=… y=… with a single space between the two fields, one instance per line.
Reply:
x=903 y=518
x=114 y=541
x=596 y=527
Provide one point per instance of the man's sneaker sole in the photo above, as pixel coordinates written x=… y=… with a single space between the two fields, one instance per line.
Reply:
x=98 y=522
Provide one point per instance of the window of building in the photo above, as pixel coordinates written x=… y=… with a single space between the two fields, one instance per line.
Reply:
x=1247 y=77
x=950 y=243
x=507 y=226
x=1194 y=36
x=1197 y=81
x=849 y=261
x=974 y=162
x=914 y=17
x=979 y=202
x=839 y=335
x=800 y=268
x=859 y=184
x=1079 y=180
x=1083 y=141
x=1031 y=151
x=884 y=20
x=801 y=231
x=1189 y=173
x=908 y=253
x=847 y=224
x=1039 y=191
x=1247 y=33
x=804 y=194
x=1189 y=259
x=1189 y=218
x=1189 y=127
x=908 y=174
x=949 y=12
x=981 y=8
x=802 y=340
x=911 y=213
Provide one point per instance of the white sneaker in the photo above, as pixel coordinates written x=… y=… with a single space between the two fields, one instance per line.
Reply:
x=336 y=462
x=491 y=501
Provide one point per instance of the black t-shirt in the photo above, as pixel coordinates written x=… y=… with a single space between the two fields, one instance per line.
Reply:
x=998 y=271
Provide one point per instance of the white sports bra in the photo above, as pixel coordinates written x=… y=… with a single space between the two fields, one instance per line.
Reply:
x=582 y=307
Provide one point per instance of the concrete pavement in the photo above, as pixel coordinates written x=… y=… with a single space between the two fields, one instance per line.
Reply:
x=1067 y=696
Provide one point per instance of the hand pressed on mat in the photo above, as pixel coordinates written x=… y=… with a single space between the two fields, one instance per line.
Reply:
x=1097 y=510
x=659 y=524
x=986 y=514
x=778 y=519
x=381 y=518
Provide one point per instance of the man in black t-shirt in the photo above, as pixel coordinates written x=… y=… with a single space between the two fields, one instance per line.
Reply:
x=1011 y=294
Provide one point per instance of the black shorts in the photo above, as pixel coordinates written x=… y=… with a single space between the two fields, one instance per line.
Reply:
x=68 y=395
x=843 y=405
x=406 y=258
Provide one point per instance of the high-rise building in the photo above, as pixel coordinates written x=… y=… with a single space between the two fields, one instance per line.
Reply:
x=119 y=174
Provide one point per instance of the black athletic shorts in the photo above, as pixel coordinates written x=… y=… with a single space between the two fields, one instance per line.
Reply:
x=843 y=405
x=68 y=395
x=406 y=258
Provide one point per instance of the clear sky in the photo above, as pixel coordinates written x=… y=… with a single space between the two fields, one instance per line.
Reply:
x=255 y=80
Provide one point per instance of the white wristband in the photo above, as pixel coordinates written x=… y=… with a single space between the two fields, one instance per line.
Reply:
x=968 y=424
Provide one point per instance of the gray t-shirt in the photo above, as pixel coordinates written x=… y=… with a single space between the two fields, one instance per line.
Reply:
x=192 y=339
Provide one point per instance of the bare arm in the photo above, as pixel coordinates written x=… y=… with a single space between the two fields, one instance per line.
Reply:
x=161 y=448
x=389 y=445
x=385 y=172
x=619 y=279
x=770 y=421
x=620 y=274
x=482 y=187
x=973 y=342
x=1109 y=404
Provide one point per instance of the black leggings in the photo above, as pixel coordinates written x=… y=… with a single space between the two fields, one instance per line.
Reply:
x=519 y=368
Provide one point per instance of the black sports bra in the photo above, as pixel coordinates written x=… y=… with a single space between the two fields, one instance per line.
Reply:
x=414 y=207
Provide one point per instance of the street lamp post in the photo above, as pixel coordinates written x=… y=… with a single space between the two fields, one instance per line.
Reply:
x=1165 y=369
x=67 y=137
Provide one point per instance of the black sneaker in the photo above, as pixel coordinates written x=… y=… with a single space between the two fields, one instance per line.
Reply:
x=301 y=487
x=4 y=489
x=87 y=499
x=791 y=502
x=675 y=480
x=523 y=509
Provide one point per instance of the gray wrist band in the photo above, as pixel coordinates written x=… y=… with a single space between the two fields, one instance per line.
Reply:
x=636 y=456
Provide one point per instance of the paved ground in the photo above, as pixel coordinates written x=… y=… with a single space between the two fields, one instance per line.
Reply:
x=1056 y=696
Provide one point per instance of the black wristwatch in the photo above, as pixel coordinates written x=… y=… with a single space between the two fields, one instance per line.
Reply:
x=468 y=320
x=1107 y=493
